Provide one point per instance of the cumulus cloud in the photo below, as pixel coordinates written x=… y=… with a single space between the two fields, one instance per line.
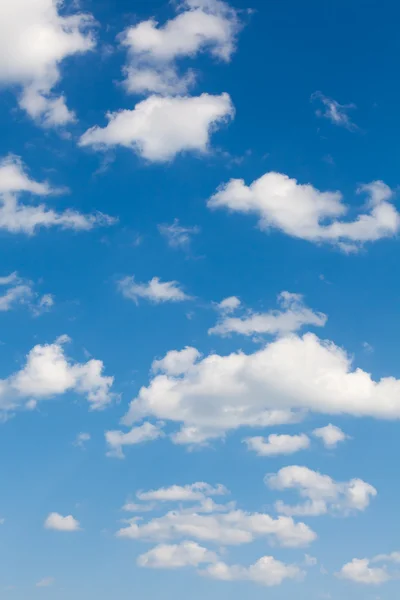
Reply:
x=59 y=523
x=333 y=111
x=229 y=305
x=304 y=212
x=360 y=571
x=174 y=556
x=278 y=444
x=19 y=291
x=330 y=435
x=212 y=395
x=293 y=316
x=153 y=50
x=266 y=571
x=155 y=290
x=160 y=128
x=321 y=493
x=177 y=236
x=186 y=493
x=35 y=38
x=48 y=372
x=17 y=217
x=116 y=440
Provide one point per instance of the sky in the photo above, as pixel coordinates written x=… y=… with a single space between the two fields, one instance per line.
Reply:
x=199 y=384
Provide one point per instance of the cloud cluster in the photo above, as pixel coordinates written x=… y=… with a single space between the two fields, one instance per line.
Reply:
x=155 y=291
x=18 y=217
x=212 y=395
x=19 y=291
x=34 y=40
x=48 y=372
x=302 y=211
x=321 y=493
x=293 y=316
x=153 y=50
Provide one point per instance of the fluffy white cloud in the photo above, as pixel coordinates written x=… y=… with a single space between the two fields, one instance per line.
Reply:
x=116 y=440
x=321 y=493
x=333 y=111
x=234 y=527
x=200 y=25
x=21 y=292
x=330 y=435
x=266 y=571
x=278 y=444
x=360 y=571
x=17 y=217
x=176 y=362
x=303 y=211
x=273 y=385
x=155 y=290
x=34 y=39
x=186 y=493
x=174 y=556
x=292 y=316
x=176 y=235
x=60 y=523
x=160 y=128
x=228 y=305
x=48 y=372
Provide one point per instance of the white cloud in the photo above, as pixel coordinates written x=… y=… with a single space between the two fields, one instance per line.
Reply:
x=160 y=128
x=116 y=440
x=266 y=571
x=321 y=493
x=393 y=557
x=155 y=291
x=176 y=362
x=302 y=211
x=278 y=444
x=330 y=435
x=200 y=25
x=81 y=439
x=17 y=217
x=174 y=556
x=59 y=523
x=360 y=571
x=134 y=507
x=186 y=493
x=34 y=40
x=228 y=305
x=176 y=235
x=292 y=317
x=48 y=373
x=21 y=292
x=333 y=111
x=46 y=582
x=235 y=527
x=273 y=385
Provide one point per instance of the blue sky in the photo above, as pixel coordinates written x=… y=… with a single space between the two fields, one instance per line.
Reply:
x=199 y=381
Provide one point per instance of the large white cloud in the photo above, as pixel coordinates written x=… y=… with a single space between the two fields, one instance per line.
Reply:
x=302 y=211
x=293 y=316
x=321 y=493
x=48 y=372
x=34 y=40
x=212 y=395
x=174 y=556
x=18 y=217
x=160 y=128
x=265 y=571
x=199 y=26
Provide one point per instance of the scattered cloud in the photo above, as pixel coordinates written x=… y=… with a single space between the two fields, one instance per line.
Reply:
x=333 y=111
x=293 y=316
x=34 y=41
x=321 y=493
x=266 y=571
x=17 y=217
x=176 y=235
x=116 y=440
x=175 y=556
x=82 y=439
x=330 y=435
x=48 y=372
x=229 y=305
x=160 y=128
x=19 y=292
x=278 y=444
x=155 y=290
x=153 y=50
x=46 y=582
x=360 y=571
x=59 y=523
x=187 y=493
x=304 y=212
x=212 y=395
